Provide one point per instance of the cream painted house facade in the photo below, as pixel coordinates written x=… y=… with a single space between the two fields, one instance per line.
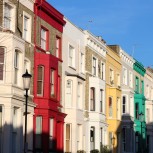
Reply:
x=148 y=85
x=16 y=53
x=95 y=117
x=73 y=85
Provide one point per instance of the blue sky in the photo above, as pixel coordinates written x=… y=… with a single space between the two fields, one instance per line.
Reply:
x=125 y=23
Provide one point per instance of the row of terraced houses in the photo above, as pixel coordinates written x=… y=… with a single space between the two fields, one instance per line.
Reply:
x=84 y=94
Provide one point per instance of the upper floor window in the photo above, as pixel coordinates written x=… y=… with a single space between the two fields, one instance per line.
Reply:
x=131 y=79
x=94 y=66
x=110 y=107
x=136 y=110
x=40 y=80
x=137 y=84
x=7 y=16
x=2 y=52
x=111 y=76
x=101 y=100
x=79 y=95
x=44 y=39
x=58 y=47
x=16 y=66
x=125 y=76
x=71 y=56
x=82 y=62
x=69 y=90
x=103 y=71
x=92 y=99
x=26 y=26
x=52 y=83
x=142 y=87
x=118 y=80
x=147 y=91
x=51 y=133
x=124 y=104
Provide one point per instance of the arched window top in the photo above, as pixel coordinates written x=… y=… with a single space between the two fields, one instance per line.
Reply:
x=69 y=83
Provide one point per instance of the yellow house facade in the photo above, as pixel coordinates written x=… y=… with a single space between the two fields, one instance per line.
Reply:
x=113 y=97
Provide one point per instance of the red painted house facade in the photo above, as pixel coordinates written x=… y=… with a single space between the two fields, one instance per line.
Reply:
x=48 y=118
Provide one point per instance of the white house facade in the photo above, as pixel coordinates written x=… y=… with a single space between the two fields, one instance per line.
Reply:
x=127 y=104
x=73 y=76
x=95 y=117
x=148 y=85
x=14 y=60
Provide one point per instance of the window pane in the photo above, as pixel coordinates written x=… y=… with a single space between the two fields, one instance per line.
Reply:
x=38 y=132
x=1 y=62
x=40 y=76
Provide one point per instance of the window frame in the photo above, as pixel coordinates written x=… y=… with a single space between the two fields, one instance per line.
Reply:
x=94 y=66
x=92 y=99
x=110 y=108
x=12 y=17
x=42 y=80
x=27 y=37
x=58 y=47
x=71 y=56
x=124 y=106
x=46 y=39
x=52 y=83
x=2 y=63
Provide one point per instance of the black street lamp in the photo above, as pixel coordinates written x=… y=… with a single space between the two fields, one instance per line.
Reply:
x=26 y=84
x=141 y=117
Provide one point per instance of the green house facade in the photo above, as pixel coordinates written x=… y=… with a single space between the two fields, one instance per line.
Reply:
x=139 y=108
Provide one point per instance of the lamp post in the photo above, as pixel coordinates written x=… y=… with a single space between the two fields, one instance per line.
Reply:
x=26 y=84
x=141 y=117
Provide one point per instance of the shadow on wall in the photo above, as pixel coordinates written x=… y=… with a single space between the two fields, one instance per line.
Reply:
x=13 y=138
x=131 y=136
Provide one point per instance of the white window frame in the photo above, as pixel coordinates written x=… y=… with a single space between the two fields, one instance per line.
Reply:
x=94 y=66
x=102 y=70
x=38 y=132
x=124 y=105
x=16 y=65
x=93 y=100
x=82 y=62
x=110 y=108
x=58 y=47
x=79 y=95
x=43 y=38
x=51 y=133
x=111 y=76
x=68 y=139
x=42 y=86
x=52 y=83
x=27 y=28
x=71 y=58
x=68 y=93
x=101 y=100
x=130 y=79
x=3 y=64
x=125 y=76
x=12 y=17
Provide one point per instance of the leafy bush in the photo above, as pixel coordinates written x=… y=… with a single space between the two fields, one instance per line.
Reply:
x=94 y=151
x=81 y=151
x=105 y=149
